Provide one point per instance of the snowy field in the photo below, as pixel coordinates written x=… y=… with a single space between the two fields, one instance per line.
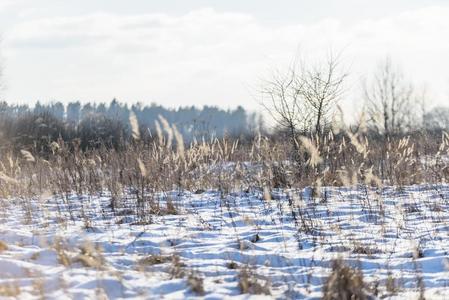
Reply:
x=215 y=247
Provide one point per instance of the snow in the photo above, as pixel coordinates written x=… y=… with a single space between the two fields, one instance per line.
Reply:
x=399 y=233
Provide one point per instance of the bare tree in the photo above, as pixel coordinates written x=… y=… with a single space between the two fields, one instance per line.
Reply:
x=282 y=98
x=322 y=88
x=304 y=98
x=301 y=101
x=389 y=98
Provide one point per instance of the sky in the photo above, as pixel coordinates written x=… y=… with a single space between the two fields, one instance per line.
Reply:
x=195 y=52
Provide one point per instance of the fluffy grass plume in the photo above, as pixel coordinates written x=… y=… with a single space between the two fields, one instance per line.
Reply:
x=315 y=158
x=134 y=125
x=27 y=155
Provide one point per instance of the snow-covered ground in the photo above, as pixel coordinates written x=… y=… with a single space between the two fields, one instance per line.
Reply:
x=79 y=249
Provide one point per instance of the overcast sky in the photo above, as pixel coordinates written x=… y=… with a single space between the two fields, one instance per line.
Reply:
x=193 y=52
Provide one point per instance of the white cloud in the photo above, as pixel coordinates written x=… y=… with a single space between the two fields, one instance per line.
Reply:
x=205 y=56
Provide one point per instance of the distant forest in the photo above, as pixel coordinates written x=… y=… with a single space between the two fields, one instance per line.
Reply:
x=108 y=124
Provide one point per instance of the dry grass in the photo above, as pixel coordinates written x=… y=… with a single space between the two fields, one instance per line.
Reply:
x=61 y=252
x=196 y=283
x=248 y=283
x=343 y=160
x=177 y=268
x=3 y=246
x=9 y=290
x=336 y=160
x=344 y=283
x=154 y=260
x=90 y=257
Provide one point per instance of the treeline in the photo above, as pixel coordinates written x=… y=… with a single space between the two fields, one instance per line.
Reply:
x=302 y=102
x=93 y=125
